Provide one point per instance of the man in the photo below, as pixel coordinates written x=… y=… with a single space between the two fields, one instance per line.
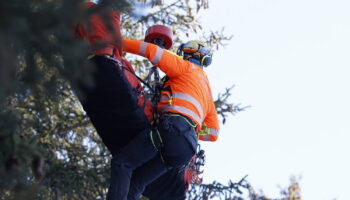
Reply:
x=115 y=105
x=186 y=105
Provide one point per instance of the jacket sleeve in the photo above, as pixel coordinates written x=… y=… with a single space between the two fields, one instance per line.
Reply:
x=171 y=64
x=210 y=127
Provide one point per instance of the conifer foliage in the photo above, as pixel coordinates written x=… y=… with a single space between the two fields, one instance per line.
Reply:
x=48 y=147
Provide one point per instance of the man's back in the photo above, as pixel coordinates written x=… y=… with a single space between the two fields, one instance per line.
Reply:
x=187 y=91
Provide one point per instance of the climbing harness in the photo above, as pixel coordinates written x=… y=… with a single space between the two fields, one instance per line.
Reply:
x=153 y=90
x=157 y=142
x=188 y=120
x=153 y=80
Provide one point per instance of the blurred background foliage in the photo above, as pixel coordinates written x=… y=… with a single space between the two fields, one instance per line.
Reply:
x=48 y=147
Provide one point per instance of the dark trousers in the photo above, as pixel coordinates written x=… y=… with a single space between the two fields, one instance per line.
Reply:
x=170 y=186
x=139 y=163
x=111 y=105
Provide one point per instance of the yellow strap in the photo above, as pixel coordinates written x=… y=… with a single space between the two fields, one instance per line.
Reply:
x=160 y=138
x=90 y=56
x=205 y=130
x=154 y=145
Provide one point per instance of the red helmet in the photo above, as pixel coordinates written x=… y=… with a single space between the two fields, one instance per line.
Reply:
x=160 y=35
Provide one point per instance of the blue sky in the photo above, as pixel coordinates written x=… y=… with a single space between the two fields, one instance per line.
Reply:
x=290 y=61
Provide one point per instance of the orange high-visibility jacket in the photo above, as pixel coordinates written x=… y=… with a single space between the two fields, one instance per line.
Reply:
x=191 y=93
x=102 y=40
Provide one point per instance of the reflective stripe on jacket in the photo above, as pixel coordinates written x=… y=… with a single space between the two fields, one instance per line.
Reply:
x=190 y=90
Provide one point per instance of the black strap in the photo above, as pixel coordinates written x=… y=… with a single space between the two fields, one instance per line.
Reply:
x=120 y=64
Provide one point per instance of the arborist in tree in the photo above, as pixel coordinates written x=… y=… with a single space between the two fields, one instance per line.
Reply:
x=105 y=103
x=186 y=113
x=115 y=104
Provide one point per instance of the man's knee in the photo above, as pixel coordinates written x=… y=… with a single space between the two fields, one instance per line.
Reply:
x=179 y=153
x=120 y=164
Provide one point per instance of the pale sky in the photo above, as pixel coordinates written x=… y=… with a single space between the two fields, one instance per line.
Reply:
x=290 y=61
